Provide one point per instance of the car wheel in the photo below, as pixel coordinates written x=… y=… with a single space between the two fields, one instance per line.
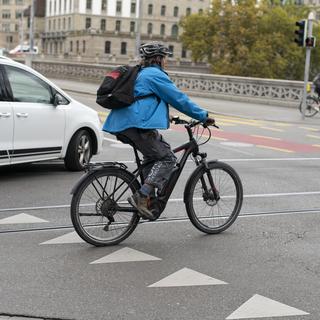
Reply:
x=79 y=151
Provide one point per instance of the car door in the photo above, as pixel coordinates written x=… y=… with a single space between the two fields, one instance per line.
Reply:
x=39 y=126
x=6 y=123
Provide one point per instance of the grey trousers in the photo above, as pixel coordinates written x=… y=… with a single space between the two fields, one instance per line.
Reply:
x=155 y=150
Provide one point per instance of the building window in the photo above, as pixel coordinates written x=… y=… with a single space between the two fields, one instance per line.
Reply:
x=174 y=30
x=83 y=46
x=64 y=23
x=54 y=25
x=6 y=27
x=118 y=25
x=150 y=28
x=69 y=23
x=188 y=11
x=19 y=2
x=104 y=5
x=150 y=9
x=107 y=47
x=200 y=11
x=123 y=48
x=163 y=29
x=133 y=7
x=77 y=46
x=175 y=11
x=183 y=53
x=89 y=4
x=71 y=46
x=132 y=26
x=103 y=24
x=88 y=23
x=18 y=14
x=163 y=10
x=6 y=1
x=171 y=49
x=6 y=15
x=49 y=25
x=59 y=24
x=119 y=6
x=9 y=39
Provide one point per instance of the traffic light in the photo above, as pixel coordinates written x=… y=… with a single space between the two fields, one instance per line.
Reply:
x=311 y=42
x=301 y=33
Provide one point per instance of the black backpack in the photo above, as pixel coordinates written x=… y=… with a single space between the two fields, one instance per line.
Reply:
x=117 y=88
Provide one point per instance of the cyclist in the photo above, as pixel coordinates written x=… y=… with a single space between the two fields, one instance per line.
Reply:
x=138 y=123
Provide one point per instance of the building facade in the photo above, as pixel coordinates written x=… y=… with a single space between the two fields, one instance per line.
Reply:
x=11 y=22
x=111 y=28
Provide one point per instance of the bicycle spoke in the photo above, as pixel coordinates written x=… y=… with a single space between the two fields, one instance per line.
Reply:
x=209 y=213
x=103 y=213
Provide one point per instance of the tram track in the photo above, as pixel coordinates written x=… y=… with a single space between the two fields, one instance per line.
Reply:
x=172 y=220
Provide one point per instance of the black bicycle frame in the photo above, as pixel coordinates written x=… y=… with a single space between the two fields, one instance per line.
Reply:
x=163 y=196
x=190 y=147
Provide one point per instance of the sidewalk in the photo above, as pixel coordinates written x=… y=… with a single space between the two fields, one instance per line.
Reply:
x=223 y=107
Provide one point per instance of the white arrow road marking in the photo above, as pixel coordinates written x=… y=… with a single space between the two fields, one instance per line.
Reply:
x=21 y=218
x=125 y=255
x=187 y=277
x=262 y=307
x=71 y=237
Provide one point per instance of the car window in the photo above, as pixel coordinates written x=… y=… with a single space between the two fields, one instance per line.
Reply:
x=3 y=96
x=27 y=87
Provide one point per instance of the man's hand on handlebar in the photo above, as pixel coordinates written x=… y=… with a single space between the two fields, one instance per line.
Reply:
x=209 y=122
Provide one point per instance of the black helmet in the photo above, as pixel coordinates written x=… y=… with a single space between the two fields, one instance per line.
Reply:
x=153 y=49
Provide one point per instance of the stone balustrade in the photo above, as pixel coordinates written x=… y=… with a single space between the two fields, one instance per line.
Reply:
x=267 y=91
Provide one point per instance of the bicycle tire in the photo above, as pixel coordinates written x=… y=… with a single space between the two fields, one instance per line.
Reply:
x=310 y=110
x=225 y=179
x=100 y=187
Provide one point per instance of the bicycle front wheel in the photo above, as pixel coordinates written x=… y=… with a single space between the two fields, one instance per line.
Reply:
x=100 y=212
x=213 y=198
x=311 y=107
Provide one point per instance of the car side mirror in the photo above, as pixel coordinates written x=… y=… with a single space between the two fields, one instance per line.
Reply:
x=57 y=99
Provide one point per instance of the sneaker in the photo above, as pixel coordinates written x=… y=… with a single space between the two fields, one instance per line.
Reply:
x=140 y=202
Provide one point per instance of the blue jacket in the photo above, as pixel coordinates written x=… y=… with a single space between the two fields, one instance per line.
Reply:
x=151 y=113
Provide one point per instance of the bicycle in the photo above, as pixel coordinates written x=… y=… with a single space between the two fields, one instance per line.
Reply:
x=102 y=216
x=312 y=104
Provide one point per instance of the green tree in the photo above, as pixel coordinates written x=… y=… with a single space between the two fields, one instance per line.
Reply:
x=246 y=39
x=198 y=30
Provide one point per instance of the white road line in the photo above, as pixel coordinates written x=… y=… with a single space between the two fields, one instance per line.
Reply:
x=271 y=159
x=258 y=195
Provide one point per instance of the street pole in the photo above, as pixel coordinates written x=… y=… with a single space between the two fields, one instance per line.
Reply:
x=138 y=26
x=21 y=29
x=31 y=40
x=311 y=17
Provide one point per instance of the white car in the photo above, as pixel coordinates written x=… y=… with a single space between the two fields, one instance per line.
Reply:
x=38 y=121
x=24 y=49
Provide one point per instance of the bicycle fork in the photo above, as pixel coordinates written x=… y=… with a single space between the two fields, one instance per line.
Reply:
x=211 y=193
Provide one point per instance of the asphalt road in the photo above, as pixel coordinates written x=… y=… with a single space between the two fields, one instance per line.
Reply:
x=265 y=266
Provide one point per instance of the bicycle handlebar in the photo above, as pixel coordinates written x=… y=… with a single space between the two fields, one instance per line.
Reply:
x=190 y=124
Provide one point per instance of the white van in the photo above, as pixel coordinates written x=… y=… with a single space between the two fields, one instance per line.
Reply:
x=24 y=49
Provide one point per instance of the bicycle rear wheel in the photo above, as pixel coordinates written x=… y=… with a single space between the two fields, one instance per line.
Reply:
x=312 y=106
x=213 y=211
x=100 y=212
